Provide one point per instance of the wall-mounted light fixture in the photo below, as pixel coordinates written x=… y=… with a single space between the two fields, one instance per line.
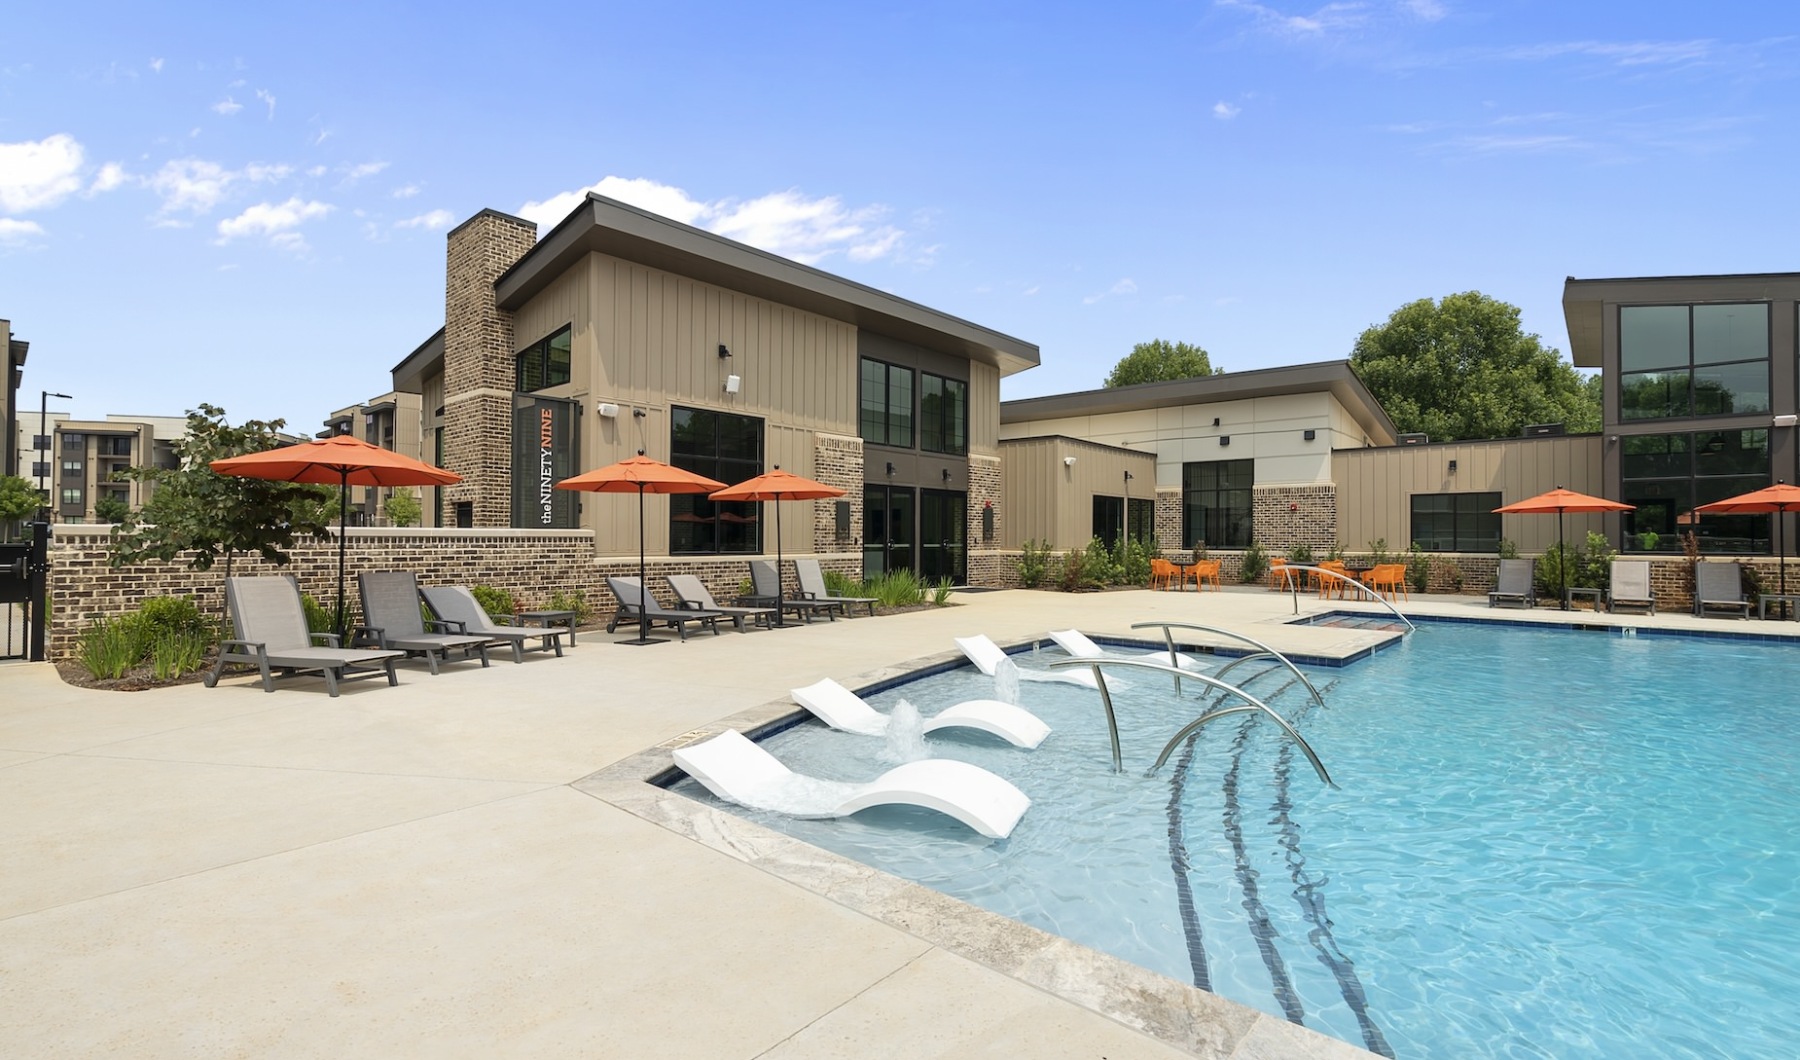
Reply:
x=1453 y=467
x=1224 y=439
x=1127 y=476
x=1068 y=461
x=608 y=410
x=732 y=383
x=1786 y=420
x=1309 y=434
x=724 y=352
x=1215 y=421
x=638 y=414
x=946 y=474
x=890 y=469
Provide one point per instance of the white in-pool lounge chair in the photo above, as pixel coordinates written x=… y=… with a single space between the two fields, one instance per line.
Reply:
x=1630 y=586
x=987 y=656
x=1078 y=645
x=737 y=770
x=841 y=708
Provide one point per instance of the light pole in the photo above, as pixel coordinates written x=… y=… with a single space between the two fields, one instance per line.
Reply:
x=44 y=397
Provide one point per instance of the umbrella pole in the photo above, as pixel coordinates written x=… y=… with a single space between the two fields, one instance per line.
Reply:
x=643 y=636
x=343 y=517
x=1562 y=562
x=778 y=589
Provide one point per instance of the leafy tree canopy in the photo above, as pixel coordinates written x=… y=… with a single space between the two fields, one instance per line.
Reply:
x=1160 y=360
x=1462 y=368
x=195 y=509
x=110 y=509
x=18 y=499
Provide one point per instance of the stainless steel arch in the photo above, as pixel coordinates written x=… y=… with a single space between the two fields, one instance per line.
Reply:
x=1382 y=600
x=1253 y=704
x=1234 y=635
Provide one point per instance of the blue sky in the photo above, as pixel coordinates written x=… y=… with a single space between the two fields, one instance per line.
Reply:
x=246 y=206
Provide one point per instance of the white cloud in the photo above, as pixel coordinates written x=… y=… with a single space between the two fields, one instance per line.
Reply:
x=111 y=175
x=435 y=221
x=267 y=97
x=227 y=106
x=13 y=232
x=316 y=171
x=277 y=221
x=1031 y=291
x=365 y=169
x=1124 y=286
x=156 y=66
x=38 y=173
x=406 y=191
x=196 y=185
x=1428 y=10
x=1327 y=19
x=788 y=223
x=1225 y=111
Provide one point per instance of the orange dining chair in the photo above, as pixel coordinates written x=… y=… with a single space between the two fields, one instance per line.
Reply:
x=1162 y=574
x=1207 y=571
x=1389 y=579
x=1278 y=573
x=1328 y=585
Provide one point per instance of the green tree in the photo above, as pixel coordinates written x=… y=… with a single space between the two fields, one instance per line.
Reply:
x=195 y=509
x=1160 y=360
x=403 y=508
x=110 y=509
x=18 y=499
x=1462 y=368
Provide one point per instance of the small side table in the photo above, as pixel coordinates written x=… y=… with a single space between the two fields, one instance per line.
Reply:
x=1598 y=596
x=552 y=618
x=1786 y=600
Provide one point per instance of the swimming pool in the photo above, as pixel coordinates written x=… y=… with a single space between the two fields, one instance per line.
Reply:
x=1545 y=843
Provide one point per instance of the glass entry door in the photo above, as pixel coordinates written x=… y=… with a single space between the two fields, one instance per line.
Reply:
x=888 y=529
x=943 y=532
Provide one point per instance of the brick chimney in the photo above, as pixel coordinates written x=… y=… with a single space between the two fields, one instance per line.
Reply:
x=478 y=363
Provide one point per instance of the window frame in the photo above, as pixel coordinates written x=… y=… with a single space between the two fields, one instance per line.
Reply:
x=1692 y=371
x=728 y=469
x=1687 y=487
x=931 y=427
x=540 y=352
x=1231 y=516
x=1480 y=503
x=886 y=414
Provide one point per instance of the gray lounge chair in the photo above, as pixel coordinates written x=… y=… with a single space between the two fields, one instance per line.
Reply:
x=1630 y=586
x=1514 y=584
x=394 y=620
x=813 y=587
x=695 y=596
x=765 y=591
x=636 y=604
x=270 y=623
x=1719 y=587
x=457 y=608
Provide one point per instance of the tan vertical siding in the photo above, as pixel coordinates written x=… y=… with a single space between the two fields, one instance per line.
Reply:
x=1047 y=500
x=1375 y=486
x=984 y=408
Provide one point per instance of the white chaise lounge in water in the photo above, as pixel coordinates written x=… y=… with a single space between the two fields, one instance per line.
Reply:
x=737 y=770
x=841 y=708
x=987 y=656
x=1078 y=645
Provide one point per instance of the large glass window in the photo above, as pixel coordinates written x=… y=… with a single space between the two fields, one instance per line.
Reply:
x=72 y=497
x=943 y=414
x=1109 y=519
x=1703 y=360
x=887 y=404
x=1216 y=503
x=544 y=363
x=722 y=446
x=1140 y=517
x=76 y=442
x=1456 y=522
x=1667 y=475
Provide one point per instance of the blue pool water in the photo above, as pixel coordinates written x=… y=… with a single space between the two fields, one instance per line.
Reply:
x=1544 y=843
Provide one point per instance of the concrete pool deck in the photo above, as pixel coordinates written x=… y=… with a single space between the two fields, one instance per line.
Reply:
x=465 y=865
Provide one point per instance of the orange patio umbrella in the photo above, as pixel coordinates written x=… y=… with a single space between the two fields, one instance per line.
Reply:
x=1778 y=499
x=1560 y=500
x=777 y=485
x=343 y=461
x=640 y=475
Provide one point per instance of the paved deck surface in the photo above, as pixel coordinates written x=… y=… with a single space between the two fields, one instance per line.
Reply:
x=424 y=870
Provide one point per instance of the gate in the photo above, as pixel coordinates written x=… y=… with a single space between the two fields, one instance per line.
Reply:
x=24 y=580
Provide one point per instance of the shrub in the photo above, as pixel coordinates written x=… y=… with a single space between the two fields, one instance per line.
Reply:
x=1255 y=563
x=1594 y=564
x=495 y=602
x=840 y=584
x=896 y=588
x=1034 y=563
x=1507 y=550
x=1378 y=553
x=1418 y=568
x=940 y=593
x=319 y=618
x=1097 y=568
x=570 y=600
x=1300 y=554
x=174 y=614
x=1133 y=562
x=1335 y=552
x=112 y=646
x=1073 y=562
x=1555 y=569
x=176 y=652
x=1451 y=573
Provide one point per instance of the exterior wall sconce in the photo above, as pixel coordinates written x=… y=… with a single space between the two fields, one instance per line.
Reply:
x=946 y=474
x=724 y=351
x=1224 y=439
x=638 y=414
x=1309 y=434
x=1127 y=476
x=1068 y=461
x=890 y=469
x=1786 y=420
x=1215 y=421
x=732 y=383
x=608 y=410
x=1453 y=467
